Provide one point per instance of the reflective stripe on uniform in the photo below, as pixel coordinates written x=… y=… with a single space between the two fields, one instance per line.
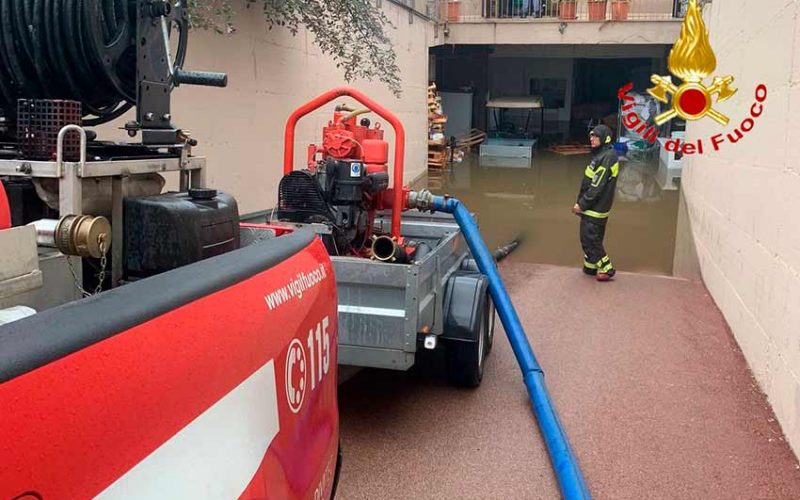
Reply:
x=598 y=176
x=589 y=265
x=604 y=264
x=596 y=215
x=589 y=172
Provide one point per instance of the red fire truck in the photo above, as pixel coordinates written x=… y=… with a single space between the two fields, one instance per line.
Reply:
x=213 y=380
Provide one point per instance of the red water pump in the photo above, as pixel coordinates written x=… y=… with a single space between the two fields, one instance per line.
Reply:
x=343 y=139
x=347 y=180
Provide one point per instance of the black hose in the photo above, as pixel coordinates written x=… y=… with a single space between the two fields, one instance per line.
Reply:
x=505 y=250
x=423 y=249
x=82 y=50
x=470 y=264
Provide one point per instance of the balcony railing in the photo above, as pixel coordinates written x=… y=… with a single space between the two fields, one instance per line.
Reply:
x=580 y=10
x=432 y=9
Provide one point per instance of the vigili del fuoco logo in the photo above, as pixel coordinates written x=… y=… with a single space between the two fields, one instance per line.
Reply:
x=692 y=60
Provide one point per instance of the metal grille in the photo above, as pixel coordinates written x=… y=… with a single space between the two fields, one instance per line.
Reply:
x=38 y=124
x=300 y=198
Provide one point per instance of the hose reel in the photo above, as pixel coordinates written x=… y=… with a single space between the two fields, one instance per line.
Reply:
x=109 y=55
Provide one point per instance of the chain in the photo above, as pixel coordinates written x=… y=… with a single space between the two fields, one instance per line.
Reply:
x=75 y=278
x=101 y=276
x=103 y=261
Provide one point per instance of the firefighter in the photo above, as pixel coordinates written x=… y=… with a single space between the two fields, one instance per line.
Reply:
x=594 y=203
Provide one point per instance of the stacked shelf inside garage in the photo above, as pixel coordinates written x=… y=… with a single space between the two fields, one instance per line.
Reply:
x=437 y=142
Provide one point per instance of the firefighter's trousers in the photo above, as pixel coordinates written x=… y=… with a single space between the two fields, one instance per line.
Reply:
x=595 y=258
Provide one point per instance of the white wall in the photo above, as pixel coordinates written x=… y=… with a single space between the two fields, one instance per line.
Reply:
x=741 y=215
x=270 y=73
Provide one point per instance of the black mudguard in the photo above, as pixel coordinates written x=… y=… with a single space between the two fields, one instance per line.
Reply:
x=465 y=297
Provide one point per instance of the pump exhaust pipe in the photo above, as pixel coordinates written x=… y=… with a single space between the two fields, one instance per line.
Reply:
x=384 y=248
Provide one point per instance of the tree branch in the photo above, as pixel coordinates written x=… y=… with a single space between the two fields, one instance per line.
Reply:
x=352 y=32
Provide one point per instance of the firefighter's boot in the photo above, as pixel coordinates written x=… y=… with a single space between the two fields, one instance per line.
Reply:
x=605 y=269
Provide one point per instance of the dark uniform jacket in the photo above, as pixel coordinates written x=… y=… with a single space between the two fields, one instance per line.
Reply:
x=599 y=183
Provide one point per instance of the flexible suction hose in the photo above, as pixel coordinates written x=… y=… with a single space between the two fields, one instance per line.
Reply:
x=564 y=462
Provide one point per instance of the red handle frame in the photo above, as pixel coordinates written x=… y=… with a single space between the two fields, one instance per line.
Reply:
x=5 y=210
x=399 y=147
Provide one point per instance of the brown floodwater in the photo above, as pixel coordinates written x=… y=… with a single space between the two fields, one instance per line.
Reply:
x=534 y=198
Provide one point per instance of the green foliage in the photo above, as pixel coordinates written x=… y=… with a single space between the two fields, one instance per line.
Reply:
x=352 y=32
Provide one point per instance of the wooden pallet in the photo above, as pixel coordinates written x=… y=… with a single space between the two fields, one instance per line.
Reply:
x=571 y=149
x=437 y=158
x=437 y=154
x=471 y=138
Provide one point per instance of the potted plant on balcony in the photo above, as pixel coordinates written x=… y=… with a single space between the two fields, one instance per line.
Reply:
x=620 y=9
x=597 y=10
x=567 y=9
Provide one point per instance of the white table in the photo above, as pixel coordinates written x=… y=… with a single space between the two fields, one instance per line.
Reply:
x=522 y=102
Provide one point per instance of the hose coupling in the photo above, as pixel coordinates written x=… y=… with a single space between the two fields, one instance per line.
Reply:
x=77 y=235
x=384 y=248
x=421 y=200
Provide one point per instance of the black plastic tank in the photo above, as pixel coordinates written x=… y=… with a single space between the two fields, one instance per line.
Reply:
x=175 y=229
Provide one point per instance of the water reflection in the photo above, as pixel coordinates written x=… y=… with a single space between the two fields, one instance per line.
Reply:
x=533 y=197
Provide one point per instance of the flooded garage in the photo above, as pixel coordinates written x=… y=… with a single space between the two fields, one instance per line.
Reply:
x=545 y=99
x=517 y=197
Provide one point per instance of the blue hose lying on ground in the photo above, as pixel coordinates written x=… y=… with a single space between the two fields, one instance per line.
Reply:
x=565 y=464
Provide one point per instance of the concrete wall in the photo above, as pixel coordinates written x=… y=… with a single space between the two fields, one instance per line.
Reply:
x=270 y=73
x=739 y=224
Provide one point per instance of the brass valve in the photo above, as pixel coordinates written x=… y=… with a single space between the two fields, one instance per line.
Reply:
x=83 y=235
x=77 y=235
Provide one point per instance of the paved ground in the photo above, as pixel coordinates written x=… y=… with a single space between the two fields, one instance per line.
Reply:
x=651 y=388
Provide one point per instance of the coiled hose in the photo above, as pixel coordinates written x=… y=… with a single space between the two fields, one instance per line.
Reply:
x=83 y=50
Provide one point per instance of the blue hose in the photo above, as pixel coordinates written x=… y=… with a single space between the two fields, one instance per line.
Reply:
x=565 y=464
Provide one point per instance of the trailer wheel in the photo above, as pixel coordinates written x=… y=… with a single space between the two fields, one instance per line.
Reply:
x=467 y=309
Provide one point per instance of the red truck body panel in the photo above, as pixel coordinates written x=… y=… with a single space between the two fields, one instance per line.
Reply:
x=232 y=394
